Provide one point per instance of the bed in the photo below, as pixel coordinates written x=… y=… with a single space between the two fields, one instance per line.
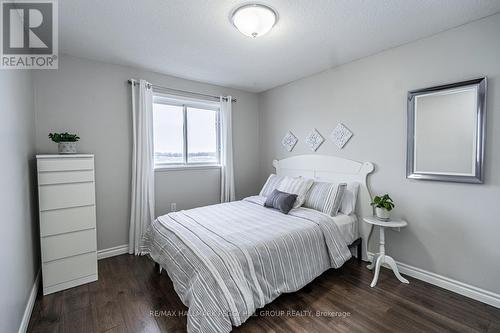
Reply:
x=227 y=260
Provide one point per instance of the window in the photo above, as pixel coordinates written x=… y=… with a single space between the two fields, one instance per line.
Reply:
x=186 y=132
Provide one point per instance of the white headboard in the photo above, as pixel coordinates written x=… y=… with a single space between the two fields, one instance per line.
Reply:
x=334 y=169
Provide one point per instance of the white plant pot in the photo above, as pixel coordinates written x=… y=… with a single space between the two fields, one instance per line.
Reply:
x=67 y=147
x=382 y=214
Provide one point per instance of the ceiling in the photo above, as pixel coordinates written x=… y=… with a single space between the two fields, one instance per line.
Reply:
x=194 y=39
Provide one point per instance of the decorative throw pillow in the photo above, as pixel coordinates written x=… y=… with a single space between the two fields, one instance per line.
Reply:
x=296 y=185
x=325 y=197
x=271 y=184
x=281 y=201
x=348 y=205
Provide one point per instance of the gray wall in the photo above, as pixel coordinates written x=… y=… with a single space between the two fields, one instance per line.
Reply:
x=187 y=188
x=453 y=228
x=93 y=99
x=19 y=237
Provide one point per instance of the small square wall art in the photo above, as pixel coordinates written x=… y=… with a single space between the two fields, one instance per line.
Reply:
x=289 y=141
x=314 y=139
x=340 y=135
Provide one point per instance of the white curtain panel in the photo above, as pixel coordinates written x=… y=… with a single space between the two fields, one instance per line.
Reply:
x=227 y=192
x=142 y=203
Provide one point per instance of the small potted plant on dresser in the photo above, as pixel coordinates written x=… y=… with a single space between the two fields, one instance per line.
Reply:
x=66 y=143
x=383 y=206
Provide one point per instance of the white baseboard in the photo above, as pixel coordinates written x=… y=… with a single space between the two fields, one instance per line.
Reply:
x=458 y=287
x=112 y=251
x=29 y=305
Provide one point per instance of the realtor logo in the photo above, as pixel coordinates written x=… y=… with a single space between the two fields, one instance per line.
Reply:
x=29 y=34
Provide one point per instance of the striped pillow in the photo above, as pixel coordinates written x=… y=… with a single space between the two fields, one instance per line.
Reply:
x=270 y=185
x=325 y=197
x=295 y=185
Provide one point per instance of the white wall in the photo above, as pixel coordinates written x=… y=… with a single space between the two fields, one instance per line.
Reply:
x=453 y=228
x=19 y=236
x=93 y=99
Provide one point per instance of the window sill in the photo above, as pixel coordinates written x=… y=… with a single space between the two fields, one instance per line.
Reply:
x=164 y=168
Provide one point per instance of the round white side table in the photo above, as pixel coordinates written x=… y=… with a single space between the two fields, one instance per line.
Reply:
x=380 y=258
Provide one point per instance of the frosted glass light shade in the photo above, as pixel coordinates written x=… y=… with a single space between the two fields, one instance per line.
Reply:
x=254 y=20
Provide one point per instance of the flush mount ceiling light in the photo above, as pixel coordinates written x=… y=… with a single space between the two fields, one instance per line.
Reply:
x=254 y=20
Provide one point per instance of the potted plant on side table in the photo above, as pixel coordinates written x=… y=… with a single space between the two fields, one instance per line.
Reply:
x=383 y=206
x=66 y=143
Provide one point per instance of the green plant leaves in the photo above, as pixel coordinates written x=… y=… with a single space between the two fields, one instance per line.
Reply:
x=63 y=137
x=384 y=202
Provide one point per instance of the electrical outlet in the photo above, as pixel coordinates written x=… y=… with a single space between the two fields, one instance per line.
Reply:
x=173 y=207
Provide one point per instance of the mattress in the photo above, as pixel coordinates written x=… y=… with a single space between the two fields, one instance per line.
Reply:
x=348 y=227
x=347 y=224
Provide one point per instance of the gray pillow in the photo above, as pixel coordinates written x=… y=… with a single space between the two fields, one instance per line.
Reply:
x=281 y=201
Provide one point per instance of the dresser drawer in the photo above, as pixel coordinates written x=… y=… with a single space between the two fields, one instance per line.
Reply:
x=68 y=269
x=65 y=164
x=60 y=221
x=66 y=195
x=62 y=177
x=65 y=245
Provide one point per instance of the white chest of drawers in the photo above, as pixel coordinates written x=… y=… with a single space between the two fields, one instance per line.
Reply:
x=66 y=195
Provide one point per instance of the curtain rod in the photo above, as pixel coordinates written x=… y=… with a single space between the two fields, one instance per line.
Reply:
x=136 y=82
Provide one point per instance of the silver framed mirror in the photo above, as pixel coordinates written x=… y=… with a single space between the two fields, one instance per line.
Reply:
x=446 y=132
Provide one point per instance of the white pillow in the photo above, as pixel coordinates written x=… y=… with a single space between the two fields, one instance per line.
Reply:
x=348 y=205
x=296 y=185
x=271 y=184
x=325 y=197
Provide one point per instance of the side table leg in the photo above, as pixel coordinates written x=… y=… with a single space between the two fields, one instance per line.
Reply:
x=379 y=262
x=394 y=267
x=374 y=260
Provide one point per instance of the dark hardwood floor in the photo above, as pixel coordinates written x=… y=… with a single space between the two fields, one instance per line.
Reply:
x=129 y=291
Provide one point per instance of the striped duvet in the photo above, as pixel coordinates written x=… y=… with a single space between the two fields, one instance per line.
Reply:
x=228 y=260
